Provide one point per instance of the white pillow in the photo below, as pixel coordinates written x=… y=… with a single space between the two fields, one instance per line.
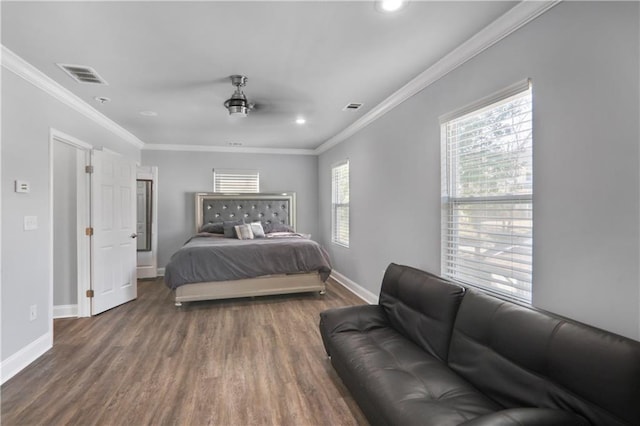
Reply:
x=258 y=230
x=244 y=232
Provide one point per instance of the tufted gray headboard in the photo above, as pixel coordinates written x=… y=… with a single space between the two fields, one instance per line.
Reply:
x=269 y=208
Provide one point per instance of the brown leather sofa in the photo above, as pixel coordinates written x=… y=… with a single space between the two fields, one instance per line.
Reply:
x=435 y=353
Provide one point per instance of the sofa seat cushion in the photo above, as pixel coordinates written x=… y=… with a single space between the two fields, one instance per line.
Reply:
x=529 y=417
x=395 y=382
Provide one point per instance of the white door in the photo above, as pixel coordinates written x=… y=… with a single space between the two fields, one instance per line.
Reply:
x=113 y=218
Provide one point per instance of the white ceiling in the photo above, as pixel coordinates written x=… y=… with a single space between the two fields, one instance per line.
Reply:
x=302 y=58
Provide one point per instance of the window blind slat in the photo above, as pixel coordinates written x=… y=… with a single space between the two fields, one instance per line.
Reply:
x=503 y=276
x=486 y=265
x=510 y=289
x=505 y=129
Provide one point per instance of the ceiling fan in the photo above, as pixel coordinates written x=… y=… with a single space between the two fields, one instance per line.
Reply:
x=283 y=104
x=237 y=104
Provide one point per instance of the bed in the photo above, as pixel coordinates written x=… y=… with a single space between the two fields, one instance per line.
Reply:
x=213 y=266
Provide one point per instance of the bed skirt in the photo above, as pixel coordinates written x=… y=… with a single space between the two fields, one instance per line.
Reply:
x=260 y=286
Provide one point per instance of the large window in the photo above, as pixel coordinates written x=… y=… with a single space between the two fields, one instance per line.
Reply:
x=236 y=181
x=340 y=204
x=487 y=196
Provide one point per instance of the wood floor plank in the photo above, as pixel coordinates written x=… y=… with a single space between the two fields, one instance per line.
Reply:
x=257 y=361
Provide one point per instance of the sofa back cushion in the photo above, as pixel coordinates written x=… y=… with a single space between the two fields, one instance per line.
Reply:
x=521 y=357
x=421 y=306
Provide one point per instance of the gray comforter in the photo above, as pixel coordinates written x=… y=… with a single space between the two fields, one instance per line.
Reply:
x=210 y=257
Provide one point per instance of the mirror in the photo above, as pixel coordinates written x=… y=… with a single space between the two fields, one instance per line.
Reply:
x=143 y=207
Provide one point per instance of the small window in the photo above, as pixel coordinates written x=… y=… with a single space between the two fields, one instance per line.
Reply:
x=487 y=194
x=340 y=204
x=236 y=181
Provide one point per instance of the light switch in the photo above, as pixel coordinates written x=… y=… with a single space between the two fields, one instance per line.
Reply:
x=22 y=186
x=30 y=223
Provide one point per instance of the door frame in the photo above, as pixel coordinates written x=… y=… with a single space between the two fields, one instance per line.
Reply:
x=83 y=215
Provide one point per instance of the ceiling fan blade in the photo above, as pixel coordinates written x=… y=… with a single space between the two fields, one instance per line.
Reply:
x=186 y=84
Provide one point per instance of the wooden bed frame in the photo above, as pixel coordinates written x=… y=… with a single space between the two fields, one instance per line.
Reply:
x=211 y=207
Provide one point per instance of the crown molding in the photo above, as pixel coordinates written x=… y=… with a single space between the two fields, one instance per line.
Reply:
x=28 y=72
x=229 y=149
x=510 y=21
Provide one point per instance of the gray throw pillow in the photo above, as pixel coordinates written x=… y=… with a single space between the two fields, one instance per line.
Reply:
x=213 y=228
x=276 y=227
x=229 y=228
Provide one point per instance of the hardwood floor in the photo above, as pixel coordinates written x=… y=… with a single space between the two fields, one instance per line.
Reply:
x=253 y=361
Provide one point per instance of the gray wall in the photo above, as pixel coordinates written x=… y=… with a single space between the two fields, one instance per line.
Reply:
x=583 y=60
x=65 y=264
x=181 y=174
x=28 y=113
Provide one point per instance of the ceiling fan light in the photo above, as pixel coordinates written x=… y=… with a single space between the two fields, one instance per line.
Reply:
x=238 y=111
x=237 y=104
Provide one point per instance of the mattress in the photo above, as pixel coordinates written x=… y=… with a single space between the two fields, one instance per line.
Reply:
x=210 y=257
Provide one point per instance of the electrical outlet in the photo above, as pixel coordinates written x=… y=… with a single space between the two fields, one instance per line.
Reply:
x=33 y=312
x=22 y=186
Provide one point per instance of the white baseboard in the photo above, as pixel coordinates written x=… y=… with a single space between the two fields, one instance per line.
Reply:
x=65 y=311
x=161 y=272
x=143 y=272
x=354 y=288
x=25 y=356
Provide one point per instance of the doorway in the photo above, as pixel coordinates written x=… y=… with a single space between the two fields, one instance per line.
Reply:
x=92 y=221
x=70 y=216
x=147 y=224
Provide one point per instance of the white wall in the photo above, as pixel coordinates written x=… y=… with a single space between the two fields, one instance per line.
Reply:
x=181 y=174
x=28 y=114
x=583 y=59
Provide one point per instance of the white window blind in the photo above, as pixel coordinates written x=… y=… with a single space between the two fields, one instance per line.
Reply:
x=487 y=195
x=340 y=204
x=236 y=181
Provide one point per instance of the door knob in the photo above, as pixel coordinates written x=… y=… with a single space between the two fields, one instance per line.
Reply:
x=134 y=235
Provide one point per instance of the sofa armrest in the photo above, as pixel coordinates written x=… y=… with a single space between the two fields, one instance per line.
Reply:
x=529 y=417
x=350 y=318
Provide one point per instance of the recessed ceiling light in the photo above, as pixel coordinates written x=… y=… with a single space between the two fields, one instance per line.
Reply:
x=300 y=120
x=149 y=113
x=391 y=5
x=102 y=99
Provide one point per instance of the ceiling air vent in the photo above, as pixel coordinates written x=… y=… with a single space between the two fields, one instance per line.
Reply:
x=352 y=107
x=82 y=74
